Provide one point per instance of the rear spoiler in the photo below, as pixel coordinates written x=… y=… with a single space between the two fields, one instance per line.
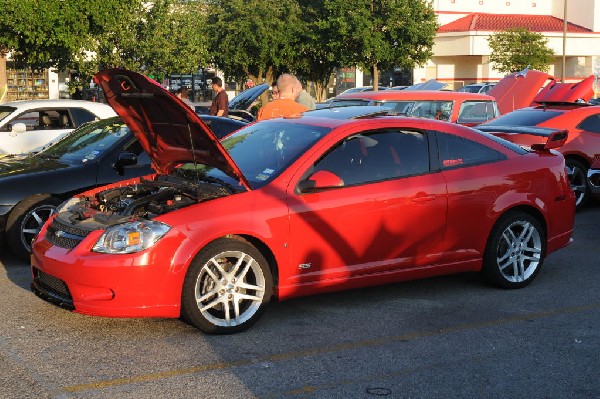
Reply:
x=555 y=140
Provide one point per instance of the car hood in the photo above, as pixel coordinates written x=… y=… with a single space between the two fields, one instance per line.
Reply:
x=168 y=129
x=19 y=165
x=245 y=99
x=518 y=89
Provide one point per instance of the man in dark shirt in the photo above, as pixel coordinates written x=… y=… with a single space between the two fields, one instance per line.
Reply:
x=220 y=103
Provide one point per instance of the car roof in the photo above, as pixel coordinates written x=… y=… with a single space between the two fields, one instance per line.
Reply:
x=54 y=103
x=415 y=95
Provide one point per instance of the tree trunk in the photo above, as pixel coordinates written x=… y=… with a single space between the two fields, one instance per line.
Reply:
x=3 y=81
x=375 y=76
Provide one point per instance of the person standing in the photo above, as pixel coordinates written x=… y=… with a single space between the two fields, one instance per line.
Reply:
x=220 y=104
x=183 y=93
x=286 y=104
x=305 y=99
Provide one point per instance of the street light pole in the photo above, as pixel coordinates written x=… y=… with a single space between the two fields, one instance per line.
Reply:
x=564 y=59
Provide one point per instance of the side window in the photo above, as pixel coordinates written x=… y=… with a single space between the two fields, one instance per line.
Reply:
x=374 y=156
x=32 y=120
x=590 y=124
x=456 y=152
x=476 y=112
x=81 y=116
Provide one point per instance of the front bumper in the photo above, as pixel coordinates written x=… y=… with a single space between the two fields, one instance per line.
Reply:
x=143 y=284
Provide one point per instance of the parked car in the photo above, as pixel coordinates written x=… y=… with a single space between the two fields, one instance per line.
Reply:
x=560 y=107
x=295 y=206
x=361 y=89
x=28 y=126
x=93 y=155
x=464 y=108
x=483 y=88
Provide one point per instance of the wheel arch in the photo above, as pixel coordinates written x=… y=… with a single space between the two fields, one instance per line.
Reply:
x=530 y=210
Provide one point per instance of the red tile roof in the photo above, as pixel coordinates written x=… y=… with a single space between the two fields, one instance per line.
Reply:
x=502 y=22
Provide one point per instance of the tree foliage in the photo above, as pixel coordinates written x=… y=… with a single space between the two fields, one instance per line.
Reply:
x=158 y=37
x=381 y=34
x=252 y=38
x=515 y=49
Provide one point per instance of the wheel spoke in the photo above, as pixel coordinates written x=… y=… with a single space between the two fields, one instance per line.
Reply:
x=253 y=298
x=251 y=287
x=33 y=231
x=210 y=305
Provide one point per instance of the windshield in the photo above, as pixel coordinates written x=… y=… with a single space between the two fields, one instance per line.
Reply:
x=87 y=142
x=262 y=151
x=525 y=117
x=441 y=110
x=5 y=111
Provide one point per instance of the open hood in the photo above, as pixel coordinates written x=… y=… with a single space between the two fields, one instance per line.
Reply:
x=168 y=129
x=554 y=92
x=245 y=99
x=518 y=89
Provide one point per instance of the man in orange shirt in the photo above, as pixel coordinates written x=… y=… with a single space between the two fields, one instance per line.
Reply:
x=286 y=104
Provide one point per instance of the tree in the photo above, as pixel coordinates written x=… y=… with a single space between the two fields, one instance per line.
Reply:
x=515 y=49
x=252 y=38
x=382 y=34
x=158 y=37
x=315 y=58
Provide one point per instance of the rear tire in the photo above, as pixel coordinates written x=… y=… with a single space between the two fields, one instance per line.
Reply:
x=226 y=288
x=578 y=181
x=515 y=251
x=26 y=220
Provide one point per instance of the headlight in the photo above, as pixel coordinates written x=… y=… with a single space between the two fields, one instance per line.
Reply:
x=67 y=204
x=130 y=237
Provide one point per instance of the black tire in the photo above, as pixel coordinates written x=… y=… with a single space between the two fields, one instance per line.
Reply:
x=25 y=221
x=515 y=251
x=212 y=281
x=579 y=184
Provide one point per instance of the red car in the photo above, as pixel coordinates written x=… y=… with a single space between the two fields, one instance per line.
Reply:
x=560 y=107
x=295 y=206
x=467 y=109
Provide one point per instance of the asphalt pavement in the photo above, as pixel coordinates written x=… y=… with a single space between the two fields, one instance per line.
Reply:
x=446 y=337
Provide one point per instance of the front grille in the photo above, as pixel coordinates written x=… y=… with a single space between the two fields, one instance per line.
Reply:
x=63 y=235
x=52 y=289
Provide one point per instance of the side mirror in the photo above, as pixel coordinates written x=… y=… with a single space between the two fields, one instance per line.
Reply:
x=18 y=128
x=320 y=180
x=125 y=159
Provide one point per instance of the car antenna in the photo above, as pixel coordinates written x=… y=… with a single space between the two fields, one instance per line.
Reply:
x=193 y=152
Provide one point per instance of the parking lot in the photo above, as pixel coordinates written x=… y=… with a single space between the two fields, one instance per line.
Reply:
x=448 y=337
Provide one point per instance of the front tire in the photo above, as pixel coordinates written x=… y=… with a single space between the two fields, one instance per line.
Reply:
x=26 y=220
x=226 y=288
x=515 y=251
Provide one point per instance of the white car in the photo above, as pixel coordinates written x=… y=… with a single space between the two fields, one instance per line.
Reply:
x=28 y=126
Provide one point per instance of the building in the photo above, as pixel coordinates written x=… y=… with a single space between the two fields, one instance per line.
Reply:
x=461 y=51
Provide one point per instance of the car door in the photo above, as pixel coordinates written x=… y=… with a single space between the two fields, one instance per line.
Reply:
x=389 y=213
x=43 y=126
x=112 y=168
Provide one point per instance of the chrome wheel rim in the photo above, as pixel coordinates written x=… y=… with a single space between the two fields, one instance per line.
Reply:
x=578 y=181
x=230 y=288
x=519 y=251
x=33 y=222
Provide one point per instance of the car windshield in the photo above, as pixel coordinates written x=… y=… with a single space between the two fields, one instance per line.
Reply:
x=262 y=151
x=87 y=142
x=441 y=110
x=524 y=117
x=5 y=111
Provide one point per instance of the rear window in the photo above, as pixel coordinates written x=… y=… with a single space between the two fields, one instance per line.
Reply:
x=527 y=117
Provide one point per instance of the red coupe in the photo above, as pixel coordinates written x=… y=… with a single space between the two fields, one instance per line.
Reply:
x=295 y=206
